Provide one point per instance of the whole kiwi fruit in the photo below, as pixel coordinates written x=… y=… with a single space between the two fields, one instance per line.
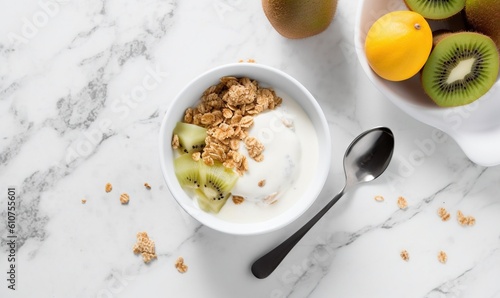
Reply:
x=299 y=18
x=484 y=16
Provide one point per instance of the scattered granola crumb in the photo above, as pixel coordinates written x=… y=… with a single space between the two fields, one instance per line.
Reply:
x=145 y=247
x=402 y=204
x=262 y=183
x=465 y=220
x=379 y=198
x=84 y=201
x=147 y=186
x=248 y=61
x=445 y=215
x=404 y=255
x=238 y=200
x=124 y=198
x=108 y=187
x=179 y=264
x=442 y=257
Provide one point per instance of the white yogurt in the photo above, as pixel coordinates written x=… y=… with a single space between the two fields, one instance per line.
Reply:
x=267 y=180
x=290 y=160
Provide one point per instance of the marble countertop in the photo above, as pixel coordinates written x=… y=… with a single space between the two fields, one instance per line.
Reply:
x=83 y=88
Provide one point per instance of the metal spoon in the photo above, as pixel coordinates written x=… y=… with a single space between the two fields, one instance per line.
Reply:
x=365 y=159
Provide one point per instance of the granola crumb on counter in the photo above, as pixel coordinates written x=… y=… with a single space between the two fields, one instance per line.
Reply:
x=402 y=203
x=404 y=255
x=145 y=246
x=262 y=183
x=445 y=215
x=124 y=198
x=465 y=220
x=84 y=201
x=147 y=186
x=379 y=198
x=442 y=257
x=179 y=264
x=108 y=187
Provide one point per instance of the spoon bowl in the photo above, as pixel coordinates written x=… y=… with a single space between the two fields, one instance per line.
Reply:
x=370 y=156
x=366 y=158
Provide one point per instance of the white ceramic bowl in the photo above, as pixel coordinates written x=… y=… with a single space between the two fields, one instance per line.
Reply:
x=268 y=76
x=475 y=127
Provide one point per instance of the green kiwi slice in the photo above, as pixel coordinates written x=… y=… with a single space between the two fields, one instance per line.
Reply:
x=191 y=136
x=187 y=171
x=217 y=182
x=436 y=9
x=461 y=68
x=211 y=184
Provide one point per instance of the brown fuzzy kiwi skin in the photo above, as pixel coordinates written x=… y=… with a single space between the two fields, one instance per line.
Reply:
x=484 y=17
x=296 y=19
x=438 y=35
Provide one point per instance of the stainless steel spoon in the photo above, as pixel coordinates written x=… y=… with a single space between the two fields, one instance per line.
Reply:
x=365 y=159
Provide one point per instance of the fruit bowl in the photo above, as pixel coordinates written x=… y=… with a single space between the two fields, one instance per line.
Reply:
x=284 y=85
x=475 y=127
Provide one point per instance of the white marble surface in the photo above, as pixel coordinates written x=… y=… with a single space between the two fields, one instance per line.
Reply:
x=83 y=87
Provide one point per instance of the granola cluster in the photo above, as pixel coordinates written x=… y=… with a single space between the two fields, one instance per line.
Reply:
x=180 y=266
x=227 y=111
x=145 y=247
x=442 y=257
x=445 y=215
x=402 y=203
x=465 y=220
x=124 y=198
x=405 y=255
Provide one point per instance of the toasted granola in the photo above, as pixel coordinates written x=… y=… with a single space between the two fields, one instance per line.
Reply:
x=402 y=203
x=124 y=198
x=405 y=255
x=445 y=215
x=238 y=200
x=465 y=220
x=442 y=257
x=145 y=247
x=147 y=186
x=84 y=201
x=379 y=198
x=108 y=187
x=227 y=111
x=179 y=264
x=262 y=183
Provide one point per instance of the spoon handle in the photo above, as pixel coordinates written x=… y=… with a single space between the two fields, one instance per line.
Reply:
x=264 y=266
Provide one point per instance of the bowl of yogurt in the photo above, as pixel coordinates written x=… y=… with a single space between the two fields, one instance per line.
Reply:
x=277 y=164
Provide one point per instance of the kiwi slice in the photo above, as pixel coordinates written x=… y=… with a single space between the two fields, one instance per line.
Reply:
x=461 y=68
x=436 y=9
x=191 y=136
x=217 y=182
x=187 y=171
x=212 y=184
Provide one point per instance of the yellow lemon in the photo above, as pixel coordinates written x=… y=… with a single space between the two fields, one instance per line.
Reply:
x=398 y=45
